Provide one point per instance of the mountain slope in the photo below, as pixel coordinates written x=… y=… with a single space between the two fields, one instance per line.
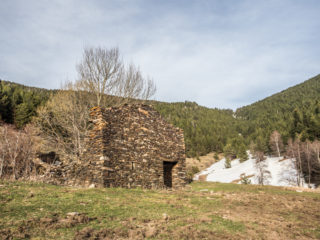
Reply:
x=284 y=111
x=205 y=129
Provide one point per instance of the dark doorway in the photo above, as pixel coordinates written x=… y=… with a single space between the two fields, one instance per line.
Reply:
x=167 y=173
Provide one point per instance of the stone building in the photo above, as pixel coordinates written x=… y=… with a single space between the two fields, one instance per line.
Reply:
x=133 y=146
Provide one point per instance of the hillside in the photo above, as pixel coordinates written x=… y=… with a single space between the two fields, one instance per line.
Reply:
x=18 y=103
x=205 y=129
x=294 y=111
x=202 y=211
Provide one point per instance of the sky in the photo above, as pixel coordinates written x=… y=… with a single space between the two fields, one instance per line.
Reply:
x=223 y=54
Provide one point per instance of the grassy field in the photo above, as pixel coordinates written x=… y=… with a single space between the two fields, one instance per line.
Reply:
x=201 y=211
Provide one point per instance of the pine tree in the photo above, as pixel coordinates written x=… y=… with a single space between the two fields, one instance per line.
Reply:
x=5 y=106
x=243 y=155
x=227 y=163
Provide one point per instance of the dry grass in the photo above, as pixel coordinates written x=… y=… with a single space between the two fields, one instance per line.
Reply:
x=202 y=162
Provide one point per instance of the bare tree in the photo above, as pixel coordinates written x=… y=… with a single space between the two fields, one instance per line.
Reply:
x=3 y=149
x=315 y=146
x=310 y=160
x=103 y=79
x=315 y=158
x=297 y=148
x=307 y=152
x=64 y=120
x=294 y=152
x=103 y=73
x=17 y=149
x=305 y=156
x=134 y=85
x=261 y=166
x=276 y=142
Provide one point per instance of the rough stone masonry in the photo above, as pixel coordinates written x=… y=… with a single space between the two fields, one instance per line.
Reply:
x=133 y=146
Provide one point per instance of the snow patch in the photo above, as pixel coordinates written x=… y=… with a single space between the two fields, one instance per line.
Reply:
x=282 y=171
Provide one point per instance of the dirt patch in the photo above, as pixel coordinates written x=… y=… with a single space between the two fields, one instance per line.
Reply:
x=301 y=189
x=153 y=229
x=6 y=234
x=203 y=178
x=26 y=227
x=90 y=233
x=272 y=216
x=57 y=222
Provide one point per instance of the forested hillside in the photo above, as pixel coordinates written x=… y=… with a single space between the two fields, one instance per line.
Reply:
x=293 y=112
x=18 y=103
x=205 y=129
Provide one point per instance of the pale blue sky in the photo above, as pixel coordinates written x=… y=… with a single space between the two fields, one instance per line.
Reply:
x=222 y=54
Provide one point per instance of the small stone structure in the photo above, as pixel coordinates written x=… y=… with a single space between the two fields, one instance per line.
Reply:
x=133 y=146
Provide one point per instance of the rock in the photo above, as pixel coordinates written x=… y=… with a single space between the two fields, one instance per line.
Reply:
x=204 y=190
x=150 y=231
x=46 y=221
x=205 y=219
x=165 y=217
x=104 y=158
x=85 y=233
x=135 y=234
x=132 y=219
x=92 y=185
x=210 y=198
x=31 y=195
x=72 y=214
x=57 y=163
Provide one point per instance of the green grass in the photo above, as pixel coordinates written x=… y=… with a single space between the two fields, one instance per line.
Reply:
x=221 y=225
x=232 y=187
x=123 y=210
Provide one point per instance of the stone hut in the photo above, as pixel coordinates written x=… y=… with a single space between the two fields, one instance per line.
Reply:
x=133 y=146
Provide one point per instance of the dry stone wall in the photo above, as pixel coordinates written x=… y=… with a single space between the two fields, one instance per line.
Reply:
x=133 y=146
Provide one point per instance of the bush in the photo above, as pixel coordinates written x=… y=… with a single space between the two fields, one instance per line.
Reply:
x=243 y=156
x=227 y=163
x=17 y=149
x=191 y=172
x=244 y=180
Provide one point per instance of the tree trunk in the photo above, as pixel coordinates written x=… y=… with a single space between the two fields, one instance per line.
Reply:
x=309 y=165
x=277 y=145
x=300 y=166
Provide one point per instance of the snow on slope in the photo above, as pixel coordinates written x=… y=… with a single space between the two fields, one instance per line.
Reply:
x=282 y=171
